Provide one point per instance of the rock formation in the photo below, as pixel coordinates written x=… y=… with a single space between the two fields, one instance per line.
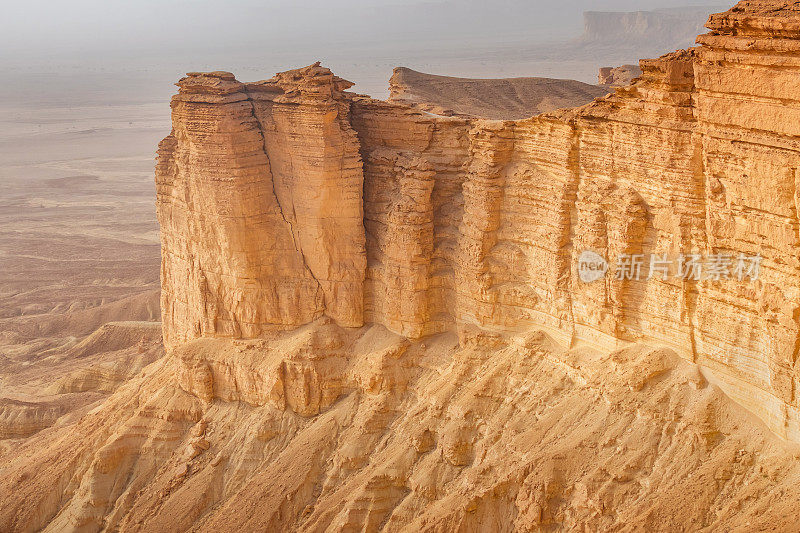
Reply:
x=332 y=429
x=470 y=222
x=375 y=318
x=259 y=194
x=618 y=76
x=502 y=99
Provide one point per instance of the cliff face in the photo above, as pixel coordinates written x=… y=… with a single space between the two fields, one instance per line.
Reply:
x=376 y=319
x=746 y=104
x=286 y=200
x=259 y=195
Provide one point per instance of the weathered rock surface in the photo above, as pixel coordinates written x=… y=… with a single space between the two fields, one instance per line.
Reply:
x=332 y=429
x=375 y=320
x=259 y=194
x=475 y=222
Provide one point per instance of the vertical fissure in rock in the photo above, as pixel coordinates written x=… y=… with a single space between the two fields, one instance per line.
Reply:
x=288 y=222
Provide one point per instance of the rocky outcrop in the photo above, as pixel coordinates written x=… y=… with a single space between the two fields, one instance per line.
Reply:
x=19 y=419
x=470 y=222
x=480 y=432
x=259 y=194
x=618 y=76
x=501 y=99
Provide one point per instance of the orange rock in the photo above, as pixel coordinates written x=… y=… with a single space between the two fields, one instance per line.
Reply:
x=284 y=200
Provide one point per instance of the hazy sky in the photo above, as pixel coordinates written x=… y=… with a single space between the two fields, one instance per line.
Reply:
x=63 y=31
x=78 y=51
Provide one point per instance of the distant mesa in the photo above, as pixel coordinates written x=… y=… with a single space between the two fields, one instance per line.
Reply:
x=649 y=31
x=618 y=76
x=501 y=99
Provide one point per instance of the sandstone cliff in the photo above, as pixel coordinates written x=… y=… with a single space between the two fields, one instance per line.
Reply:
x=259 y=194
x=471 y=222
x=375 y=322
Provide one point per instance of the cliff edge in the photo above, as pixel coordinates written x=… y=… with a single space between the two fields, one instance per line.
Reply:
x=378 y=318
x=285 y=200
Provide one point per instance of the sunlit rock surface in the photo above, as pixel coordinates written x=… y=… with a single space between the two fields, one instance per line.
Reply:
x=475 y=222
x=374 y=318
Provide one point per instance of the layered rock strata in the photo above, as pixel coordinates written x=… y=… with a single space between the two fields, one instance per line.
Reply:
x=285 y=200
x=259 y=195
